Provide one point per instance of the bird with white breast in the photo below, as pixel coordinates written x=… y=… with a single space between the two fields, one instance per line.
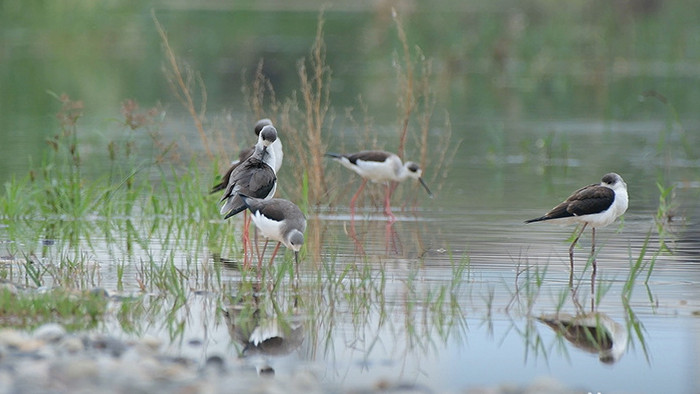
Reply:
x=280 y=220
x=596 y=205
x=381 y=167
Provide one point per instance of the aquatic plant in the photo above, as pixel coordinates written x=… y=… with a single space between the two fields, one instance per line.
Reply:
x=30 y=308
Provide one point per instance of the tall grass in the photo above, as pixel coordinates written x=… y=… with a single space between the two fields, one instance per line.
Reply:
x=182 y=83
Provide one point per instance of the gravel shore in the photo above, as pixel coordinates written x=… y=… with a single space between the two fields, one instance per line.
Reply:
x=50 y=360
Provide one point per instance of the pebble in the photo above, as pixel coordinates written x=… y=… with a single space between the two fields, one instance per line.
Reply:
x=71 y=344
x=50 y=332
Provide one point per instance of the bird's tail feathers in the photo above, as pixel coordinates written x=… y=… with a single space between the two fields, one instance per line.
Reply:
x=218 y=187
x=246 y=199
x=539 y=219
x=333 y=155
x=232 y=206
x=234 y=211
x=252 y=203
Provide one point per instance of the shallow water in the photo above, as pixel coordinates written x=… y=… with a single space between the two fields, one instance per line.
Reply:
x=445 y=298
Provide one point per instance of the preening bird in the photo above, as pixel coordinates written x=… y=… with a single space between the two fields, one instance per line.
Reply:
x=255 y=177
x=248 y=152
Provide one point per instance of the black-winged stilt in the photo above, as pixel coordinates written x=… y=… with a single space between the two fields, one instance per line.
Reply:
x=382 y=167
x=246 y=153
x=280 y=220
x=254 y=177
x=596 y=205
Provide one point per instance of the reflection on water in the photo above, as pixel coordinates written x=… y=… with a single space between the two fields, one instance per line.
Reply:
x=593 y=332
x=257 y=322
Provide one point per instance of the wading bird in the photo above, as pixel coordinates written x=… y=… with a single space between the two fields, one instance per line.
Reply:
x=382 y=167
x=254 y=177
x=280 y=220
x=596 y=205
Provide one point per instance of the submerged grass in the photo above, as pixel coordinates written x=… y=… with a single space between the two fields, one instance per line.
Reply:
x=75 y=310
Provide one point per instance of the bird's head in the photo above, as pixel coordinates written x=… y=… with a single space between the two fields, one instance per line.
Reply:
x=268 y=135
x=260 y=124
x=614 y=181
x=412 y=170
x=295 y=240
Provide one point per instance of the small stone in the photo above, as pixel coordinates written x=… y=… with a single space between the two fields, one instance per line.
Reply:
x=110 y=345
x=215 y=364
x=175 y=372
x=151 y=342
x=11 y=338
x=50 y=332
x=72 y=345
x=74 y=370
x=30 y=345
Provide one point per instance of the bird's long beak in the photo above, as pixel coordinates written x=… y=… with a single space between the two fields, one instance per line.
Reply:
x=296 y=267
x=422 y=182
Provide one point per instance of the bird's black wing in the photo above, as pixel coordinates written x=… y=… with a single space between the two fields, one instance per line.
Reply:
x=587 y=200
x=368 y=155
x=253 y=178
x=590 y=200
x=242 y=157
x=280 y=209
x=261 y=182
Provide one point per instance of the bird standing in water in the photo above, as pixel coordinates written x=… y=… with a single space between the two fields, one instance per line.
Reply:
x=379 y=166
x=280 y=220
x=596 y=205
x=254 y=177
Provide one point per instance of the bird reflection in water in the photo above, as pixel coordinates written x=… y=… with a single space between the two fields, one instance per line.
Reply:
x=593 y=332
x=264 y=329
x=369 y=234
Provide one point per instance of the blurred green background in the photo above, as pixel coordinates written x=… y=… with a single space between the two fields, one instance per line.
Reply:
x=511 y=61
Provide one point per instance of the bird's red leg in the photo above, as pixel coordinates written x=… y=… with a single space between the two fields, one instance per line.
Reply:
x=274 y=253
x=260 y=256
x=246 y=239
x=387 y=200
x=255 y=240
x=354 y=198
